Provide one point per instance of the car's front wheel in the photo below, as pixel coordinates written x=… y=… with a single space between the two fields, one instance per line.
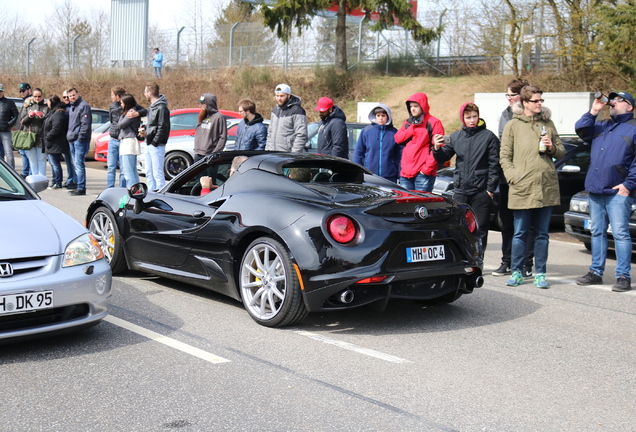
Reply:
x=269 y=285
x=102 y=225
x=175 y=162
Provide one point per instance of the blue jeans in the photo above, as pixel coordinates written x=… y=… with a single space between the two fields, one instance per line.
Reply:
x=56 y=169
x=70 y=167
x=113 y=160
x=37 y=161
x=26 y=164
x=79 y=150
x=158 y=72
x=155 y=178
x=615 y=209
x=7 y=146
x=539 y=219
x=128 y=174
x=420 y=182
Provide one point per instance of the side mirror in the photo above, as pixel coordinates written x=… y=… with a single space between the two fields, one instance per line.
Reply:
x=570 y=168
x=37 y=182
x=138 y=192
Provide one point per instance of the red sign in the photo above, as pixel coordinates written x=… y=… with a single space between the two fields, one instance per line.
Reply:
x=357 y=12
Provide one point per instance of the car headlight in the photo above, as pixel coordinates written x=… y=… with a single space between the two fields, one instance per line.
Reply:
x=580 y=206
x=82 y=250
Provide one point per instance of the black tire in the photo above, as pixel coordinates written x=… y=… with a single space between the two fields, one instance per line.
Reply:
x=102 y=225
x=269 y=285
x=588 y=246
x=175 y=162
x=445 y=299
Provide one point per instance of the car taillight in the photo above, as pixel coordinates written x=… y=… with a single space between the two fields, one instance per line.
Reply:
x=372 y=280
x=471 y=221
x=341 y=228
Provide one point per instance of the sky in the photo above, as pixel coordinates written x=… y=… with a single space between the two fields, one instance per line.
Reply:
x=161 y=12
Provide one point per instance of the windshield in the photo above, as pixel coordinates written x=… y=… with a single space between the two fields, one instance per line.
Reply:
x=10 y=187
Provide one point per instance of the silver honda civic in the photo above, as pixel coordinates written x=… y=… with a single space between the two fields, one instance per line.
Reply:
x=53 y=275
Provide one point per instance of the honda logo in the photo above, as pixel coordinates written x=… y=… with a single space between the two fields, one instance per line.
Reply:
x=6 y=270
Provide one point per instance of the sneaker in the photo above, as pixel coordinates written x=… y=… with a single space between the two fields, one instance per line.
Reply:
x=540 y=282
x=504 y=269
x=622 y=284
x=527 y=272
x=590 y=278
x=515 y=279
x=70 y=186
x=55 y=186
x=76 y=192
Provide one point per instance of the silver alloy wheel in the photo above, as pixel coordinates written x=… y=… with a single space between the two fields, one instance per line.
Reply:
x=102 y=228
x=263 y=280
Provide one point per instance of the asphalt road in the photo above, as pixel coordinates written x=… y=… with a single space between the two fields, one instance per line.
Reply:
x=174 y=357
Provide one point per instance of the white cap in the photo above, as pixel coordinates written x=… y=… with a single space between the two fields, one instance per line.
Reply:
x=283 y=88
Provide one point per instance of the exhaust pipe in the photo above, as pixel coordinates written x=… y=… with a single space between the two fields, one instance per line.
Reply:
x=476 y=281
x=346 y=296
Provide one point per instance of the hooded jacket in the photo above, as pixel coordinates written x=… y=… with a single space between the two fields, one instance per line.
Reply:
x=376 y=149
x=417 y=156
x=612 y=146
x=332 y=134
x=251 y=135
x=80 y=121
x=54 y=130
x=531 y=176
x=477 y=165
x=211 y=134
x=287 y=127
x=158 y=128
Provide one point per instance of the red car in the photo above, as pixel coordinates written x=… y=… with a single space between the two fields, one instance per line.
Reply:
x=182 y=122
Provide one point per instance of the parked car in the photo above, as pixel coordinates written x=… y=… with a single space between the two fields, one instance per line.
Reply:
x=99 y=132
x=578 y=222
x=571 y=171
x=180 y=151
x=99 y=117
x=53 y=275
x=353 y=132
x=183 y=122
x=292 y=233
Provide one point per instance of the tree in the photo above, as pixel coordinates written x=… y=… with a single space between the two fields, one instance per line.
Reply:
x=616 y=28
x=285 y=15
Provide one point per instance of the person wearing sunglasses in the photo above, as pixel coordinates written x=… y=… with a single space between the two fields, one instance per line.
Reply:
x=610 y=181
x=532 y=179
x=505 y=214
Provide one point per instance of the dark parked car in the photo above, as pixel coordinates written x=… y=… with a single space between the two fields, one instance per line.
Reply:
x=571 y=170
x=353 y=132
x=577 y=221
x=292 y=233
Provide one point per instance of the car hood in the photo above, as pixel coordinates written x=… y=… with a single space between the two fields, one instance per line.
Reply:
x=35 y=228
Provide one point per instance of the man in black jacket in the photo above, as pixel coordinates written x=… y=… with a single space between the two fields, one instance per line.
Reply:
x=8 y=117
x=477 y=166
x=114 y=114
x=332 y=135
x=157 y=134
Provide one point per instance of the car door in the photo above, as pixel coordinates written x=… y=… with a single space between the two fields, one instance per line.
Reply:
x=571 y=172
x=164 y=232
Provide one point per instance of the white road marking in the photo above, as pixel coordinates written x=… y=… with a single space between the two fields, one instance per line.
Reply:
x=352 y=347
x=157 y=337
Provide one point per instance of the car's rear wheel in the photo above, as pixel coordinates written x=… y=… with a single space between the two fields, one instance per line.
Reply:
x=588 y=246
x=104 y=228
x=269 y=284
x=175 y=162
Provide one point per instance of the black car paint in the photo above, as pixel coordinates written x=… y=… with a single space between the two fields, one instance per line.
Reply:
x=201 y=240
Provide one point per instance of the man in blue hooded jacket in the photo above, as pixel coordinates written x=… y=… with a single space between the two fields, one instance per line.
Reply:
x=610 y=181
x=376 y=149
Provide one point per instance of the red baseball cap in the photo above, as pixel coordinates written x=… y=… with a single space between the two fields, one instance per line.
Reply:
x=324 y=104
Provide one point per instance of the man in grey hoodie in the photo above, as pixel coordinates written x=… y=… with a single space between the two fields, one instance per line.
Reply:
x=211 y=133
x=288 y=124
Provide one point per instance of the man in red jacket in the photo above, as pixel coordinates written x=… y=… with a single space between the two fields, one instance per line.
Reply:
x=418 y=166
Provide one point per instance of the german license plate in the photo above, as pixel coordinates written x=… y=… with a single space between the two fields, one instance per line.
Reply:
x=25 y=302
x=425 y=253
x=587 y=224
